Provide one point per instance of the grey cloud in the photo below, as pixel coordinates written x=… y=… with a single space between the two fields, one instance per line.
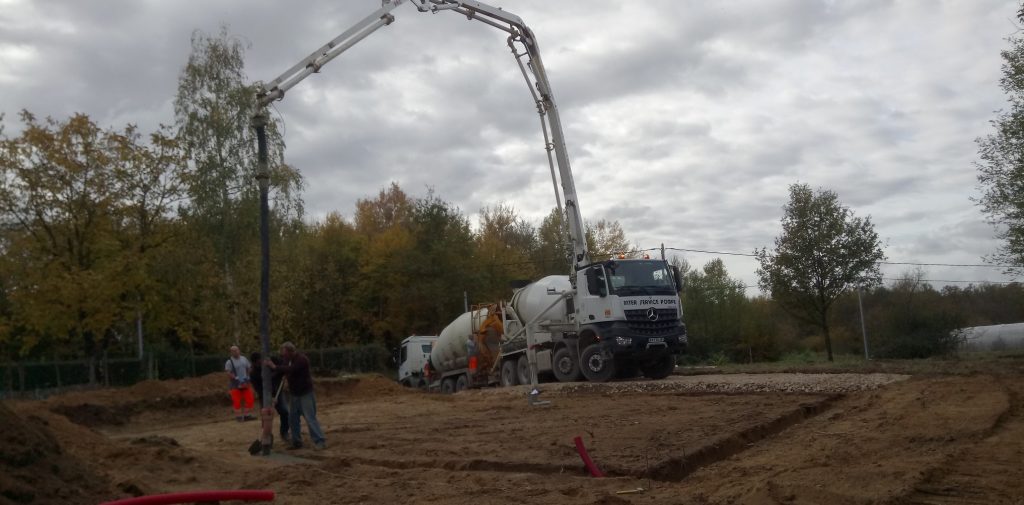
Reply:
x=686 y=121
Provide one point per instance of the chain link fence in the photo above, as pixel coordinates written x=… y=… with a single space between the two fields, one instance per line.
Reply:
x=43 y=378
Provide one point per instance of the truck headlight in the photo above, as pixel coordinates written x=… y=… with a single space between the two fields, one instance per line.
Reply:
x=624 y=341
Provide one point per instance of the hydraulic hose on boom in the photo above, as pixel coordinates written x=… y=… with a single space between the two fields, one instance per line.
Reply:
x=519 y=35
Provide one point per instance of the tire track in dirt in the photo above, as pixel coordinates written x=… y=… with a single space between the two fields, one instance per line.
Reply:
x=469 y=465
x=873 y=447
x=990 y=471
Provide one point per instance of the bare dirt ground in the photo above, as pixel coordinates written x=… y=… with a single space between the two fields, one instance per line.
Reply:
x=742 y=438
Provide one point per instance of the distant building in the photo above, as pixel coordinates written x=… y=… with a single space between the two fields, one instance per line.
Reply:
x=997 y=337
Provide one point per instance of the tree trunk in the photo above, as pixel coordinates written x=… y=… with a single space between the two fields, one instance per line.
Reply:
x=106 y=369
x=21 y=378
x=92 y=368
x=229 y=283
x=828 y=340
x=138 y=331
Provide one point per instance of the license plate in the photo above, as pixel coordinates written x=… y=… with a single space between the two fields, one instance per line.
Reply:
x=656 y=340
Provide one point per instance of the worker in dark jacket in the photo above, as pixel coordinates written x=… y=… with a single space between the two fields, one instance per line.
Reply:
x=275 y=387
x=303 y=402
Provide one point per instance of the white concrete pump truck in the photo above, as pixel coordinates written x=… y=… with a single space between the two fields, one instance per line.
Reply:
x=604 y=319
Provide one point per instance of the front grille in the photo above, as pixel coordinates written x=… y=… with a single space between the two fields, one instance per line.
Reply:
x=639 y=322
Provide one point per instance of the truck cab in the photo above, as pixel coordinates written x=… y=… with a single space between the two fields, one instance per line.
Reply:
x=412 y=357
x=630 y=315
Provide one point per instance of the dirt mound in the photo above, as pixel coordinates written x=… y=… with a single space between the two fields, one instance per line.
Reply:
x=153 y=391
x=34 y=469
x=358 y=387
x=116 y=407
x=119 y=407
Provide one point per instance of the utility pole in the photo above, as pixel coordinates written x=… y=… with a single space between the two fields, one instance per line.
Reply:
x=863 y=330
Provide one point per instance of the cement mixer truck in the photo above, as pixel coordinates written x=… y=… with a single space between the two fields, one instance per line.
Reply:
x=602 y=319
x=619 y=318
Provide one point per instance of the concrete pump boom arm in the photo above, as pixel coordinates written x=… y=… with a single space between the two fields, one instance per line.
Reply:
x=520 y=34
x=274 y=90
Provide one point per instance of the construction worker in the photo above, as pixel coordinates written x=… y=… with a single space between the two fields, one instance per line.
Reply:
x=275 y=389
x=303 y=402
x=239 y=370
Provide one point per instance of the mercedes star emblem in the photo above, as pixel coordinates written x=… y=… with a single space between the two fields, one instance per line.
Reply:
x=652 y=314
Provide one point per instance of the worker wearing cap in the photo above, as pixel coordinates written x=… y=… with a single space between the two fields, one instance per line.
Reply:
x=303 y=403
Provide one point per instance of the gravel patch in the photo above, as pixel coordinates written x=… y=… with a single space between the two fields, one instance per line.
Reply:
x=736 y=383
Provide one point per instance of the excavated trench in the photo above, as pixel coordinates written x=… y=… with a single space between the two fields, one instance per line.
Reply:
x=674 y=468
x=679 y=467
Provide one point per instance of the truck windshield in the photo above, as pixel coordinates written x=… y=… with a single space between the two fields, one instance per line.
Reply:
x=642 y=277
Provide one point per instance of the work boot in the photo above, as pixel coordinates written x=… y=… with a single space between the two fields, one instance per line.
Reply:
x=293 y=446
x=321 y=445
x=239 y=418
x=249 y=417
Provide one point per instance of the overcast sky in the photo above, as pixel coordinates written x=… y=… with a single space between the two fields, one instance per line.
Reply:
x=686 y=121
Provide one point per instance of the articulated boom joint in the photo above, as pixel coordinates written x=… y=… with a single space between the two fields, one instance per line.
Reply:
x=435 y=6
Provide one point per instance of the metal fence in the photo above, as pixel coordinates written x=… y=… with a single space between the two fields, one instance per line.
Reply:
x=42 y=378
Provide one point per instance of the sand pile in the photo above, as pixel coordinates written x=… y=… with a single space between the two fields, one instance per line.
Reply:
x=34 y=469
x=357 y=387
x=115 y=407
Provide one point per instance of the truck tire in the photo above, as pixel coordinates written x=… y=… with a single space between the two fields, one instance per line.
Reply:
x=597 y=365
x=462 y=383
x=412 y=382
x=565 y=366
x=509 y=375
x=523 y=369
x=659 y=368
x=447 y=386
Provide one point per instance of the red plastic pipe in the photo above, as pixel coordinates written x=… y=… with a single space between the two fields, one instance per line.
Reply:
x=196 y=497
x=587 y=462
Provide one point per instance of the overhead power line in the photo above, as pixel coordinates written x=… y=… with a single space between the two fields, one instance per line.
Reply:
x=909 y=263
x=896 y=279
x=727 y=253
x=709 y=252
x=982 y=265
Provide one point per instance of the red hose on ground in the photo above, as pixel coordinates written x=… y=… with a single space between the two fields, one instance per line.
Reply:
x=587 y=462
x=196 y=497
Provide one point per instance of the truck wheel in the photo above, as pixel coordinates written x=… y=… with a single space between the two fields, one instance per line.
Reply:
x=523 y=369
x=565 y=366
x=509 y=375
x=462 y=383
x=413 y=382
x=447 y=386
x=659 y=368
x=597 y=365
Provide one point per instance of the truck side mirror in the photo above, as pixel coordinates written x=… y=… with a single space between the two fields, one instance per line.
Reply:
x=595 y=282
x=678 y=278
